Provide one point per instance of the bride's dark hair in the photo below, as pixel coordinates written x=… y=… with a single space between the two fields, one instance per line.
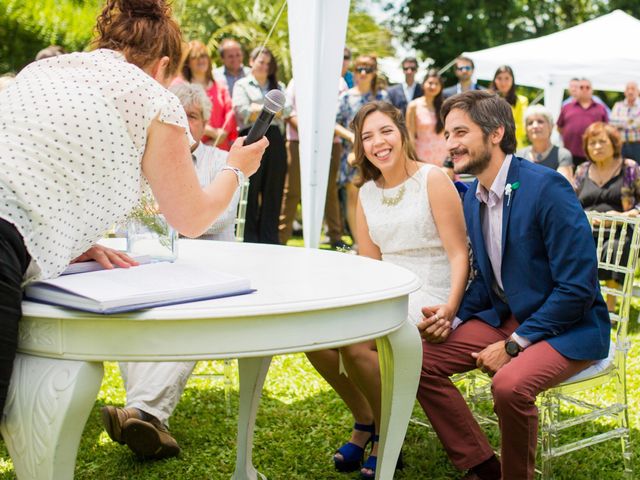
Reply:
x=365 y=169
x=143 y=30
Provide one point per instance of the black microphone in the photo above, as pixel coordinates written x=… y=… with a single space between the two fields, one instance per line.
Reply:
x=273 y=103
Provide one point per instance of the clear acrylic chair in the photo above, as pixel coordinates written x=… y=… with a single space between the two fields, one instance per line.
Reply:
x=581 y=392
x=578 y=401
x=228 y=366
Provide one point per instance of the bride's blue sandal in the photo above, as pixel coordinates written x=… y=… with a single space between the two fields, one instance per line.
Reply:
x=352 y=454
x=372 y=463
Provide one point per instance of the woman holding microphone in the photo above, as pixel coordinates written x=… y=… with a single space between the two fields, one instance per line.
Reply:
x=80 y=135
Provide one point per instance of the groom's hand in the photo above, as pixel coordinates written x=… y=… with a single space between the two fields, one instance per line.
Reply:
x=492 y=358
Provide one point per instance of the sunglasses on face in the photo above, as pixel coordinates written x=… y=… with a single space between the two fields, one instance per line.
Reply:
x=464 y=68
x=346 y=58
x=365 y=69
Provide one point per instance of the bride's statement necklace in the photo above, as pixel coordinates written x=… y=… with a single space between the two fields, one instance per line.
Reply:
x=395 y=200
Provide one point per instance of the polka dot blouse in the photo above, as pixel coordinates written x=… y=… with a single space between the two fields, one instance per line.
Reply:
x=73 y=129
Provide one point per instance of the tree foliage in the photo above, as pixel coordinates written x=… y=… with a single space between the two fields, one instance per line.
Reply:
x=27 y=26
x=442 y=29
x=250 y=21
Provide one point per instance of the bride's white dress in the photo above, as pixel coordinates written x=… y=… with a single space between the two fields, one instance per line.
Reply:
x=407 y=236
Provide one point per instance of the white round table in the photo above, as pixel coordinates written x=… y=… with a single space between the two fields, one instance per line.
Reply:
x=306 y=300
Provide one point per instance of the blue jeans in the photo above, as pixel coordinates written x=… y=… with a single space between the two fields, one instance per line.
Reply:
x=14 y=261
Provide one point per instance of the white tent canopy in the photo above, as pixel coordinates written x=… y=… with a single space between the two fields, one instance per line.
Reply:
x=604 y=50
x=317 y=32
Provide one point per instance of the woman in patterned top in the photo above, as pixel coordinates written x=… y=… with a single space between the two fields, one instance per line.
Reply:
x=78 y=134
x=607 y=182
x=367 y=89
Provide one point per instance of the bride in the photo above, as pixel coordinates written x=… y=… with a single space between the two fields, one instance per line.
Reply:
x=409 y=214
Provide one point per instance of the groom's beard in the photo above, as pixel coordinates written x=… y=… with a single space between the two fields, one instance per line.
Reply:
x=477 y=160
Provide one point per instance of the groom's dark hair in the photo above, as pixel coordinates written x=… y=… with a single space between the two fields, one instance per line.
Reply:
x=487 y=110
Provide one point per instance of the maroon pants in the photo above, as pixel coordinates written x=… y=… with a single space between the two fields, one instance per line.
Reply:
x=514 y=388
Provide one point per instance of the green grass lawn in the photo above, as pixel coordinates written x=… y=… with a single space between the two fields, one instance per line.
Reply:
x=300 y=423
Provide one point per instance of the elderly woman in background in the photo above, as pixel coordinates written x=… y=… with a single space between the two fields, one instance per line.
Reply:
x=105 y=120
x=265 y=190
x=424 y=123
x=608 y=183
x=539 y=124
x=504 y=84
x=221 y=129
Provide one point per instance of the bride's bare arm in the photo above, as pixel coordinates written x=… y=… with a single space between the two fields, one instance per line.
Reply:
x=449 y=219
x=366 y=247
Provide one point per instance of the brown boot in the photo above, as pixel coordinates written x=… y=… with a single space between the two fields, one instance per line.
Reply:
x=113 y=419
x=149 y=439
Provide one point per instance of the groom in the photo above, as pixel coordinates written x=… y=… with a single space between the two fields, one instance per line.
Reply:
x=533 y=316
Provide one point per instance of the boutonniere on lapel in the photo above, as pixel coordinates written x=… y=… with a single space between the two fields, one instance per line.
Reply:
x=509 y=188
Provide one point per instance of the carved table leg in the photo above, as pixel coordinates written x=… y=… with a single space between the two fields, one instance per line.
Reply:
x=400 y=362
x=47 y=407
x=252 y=374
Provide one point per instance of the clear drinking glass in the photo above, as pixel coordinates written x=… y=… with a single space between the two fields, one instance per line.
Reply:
x=152 y=236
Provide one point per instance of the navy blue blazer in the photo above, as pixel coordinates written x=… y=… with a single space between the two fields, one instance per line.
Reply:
x=397 y=98
x=453 y=89
x=549 y=266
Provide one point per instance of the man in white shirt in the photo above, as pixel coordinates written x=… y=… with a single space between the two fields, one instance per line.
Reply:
x=232 y=70
x=401 y=94
x=154 y=388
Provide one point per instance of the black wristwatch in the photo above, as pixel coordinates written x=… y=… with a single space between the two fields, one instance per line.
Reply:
x=512 y=348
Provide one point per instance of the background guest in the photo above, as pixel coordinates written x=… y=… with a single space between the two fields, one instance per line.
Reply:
x=504 y=85
x=576 y=116
x=221 y=131
x=401 y=94
x=424 y=123
x=346 y=68
x=574 y=89
x=50 y=51
x=608 y=183
x=626 y=118
x=463 y=71
x=366 y=89
x=232 y=68
x=539 y=124
x=265 y=189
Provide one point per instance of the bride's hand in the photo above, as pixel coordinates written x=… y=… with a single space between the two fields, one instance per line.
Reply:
x=436 y=324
